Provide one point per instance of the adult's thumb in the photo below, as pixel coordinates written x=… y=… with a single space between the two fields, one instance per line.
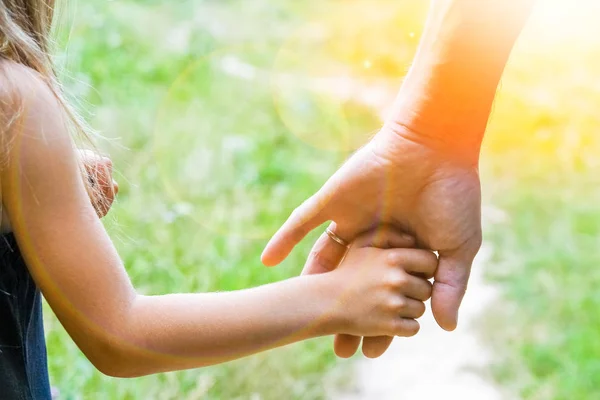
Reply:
x=449 y=287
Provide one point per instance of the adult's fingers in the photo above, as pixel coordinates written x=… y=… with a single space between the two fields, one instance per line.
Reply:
x=385 y=237
x=303 y=220
x=345 y=346
x=449 y=287
x=325 y=255
x=417 y=288
x=374 y=347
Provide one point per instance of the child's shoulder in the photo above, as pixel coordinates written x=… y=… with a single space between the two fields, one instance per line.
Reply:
x=22 y=89
x=27 y=106
x=19 y=82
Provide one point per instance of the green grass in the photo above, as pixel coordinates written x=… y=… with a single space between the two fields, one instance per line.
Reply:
x=211 y=163
x=208 y=171
x=541 y=168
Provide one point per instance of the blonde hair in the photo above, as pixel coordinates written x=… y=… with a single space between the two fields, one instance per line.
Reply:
x=25 y=27
x=25 y=30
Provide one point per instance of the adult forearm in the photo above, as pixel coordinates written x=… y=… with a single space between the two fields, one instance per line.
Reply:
x=182 y=331
x=448 y=93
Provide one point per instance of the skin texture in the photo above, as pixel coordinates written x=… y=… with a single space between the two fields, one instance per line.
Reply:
x=419 y=174
x=373 y=292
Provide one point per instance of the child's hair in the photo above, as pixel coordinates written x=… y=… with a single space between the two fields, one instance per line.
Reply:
x=25 y=28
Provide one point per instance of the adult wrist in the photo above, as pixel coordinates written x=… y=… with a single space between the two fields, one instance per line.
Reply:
x=447 y=96
x=437 y=107
x=440 y=141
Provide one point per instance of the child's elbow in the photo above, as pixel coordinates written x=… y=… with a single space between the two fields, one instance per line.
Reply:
x=112 y=362
x=115 y=360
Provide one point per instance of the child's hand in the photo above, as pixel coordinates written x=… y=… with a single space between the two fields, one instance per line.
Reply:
x=379 y=292
x=102 y=187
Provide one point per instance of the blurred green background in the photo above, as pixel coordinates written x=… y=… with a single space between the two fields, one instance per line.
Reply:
x=221 y=116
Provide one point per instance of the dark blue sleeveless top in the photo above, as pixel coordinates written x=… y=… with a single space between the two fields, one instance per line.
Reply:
x=23 y=364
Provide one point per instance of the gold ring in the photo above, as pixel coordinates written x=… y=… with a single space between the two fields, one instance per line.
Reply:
x=336 y=238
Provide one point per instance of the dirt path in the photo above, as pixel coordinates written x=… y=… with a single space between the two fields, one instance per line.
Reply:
x=434 y=364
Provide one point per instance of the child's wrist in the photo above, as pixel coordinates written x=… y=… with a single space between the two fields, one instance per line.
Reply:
x=329 y=319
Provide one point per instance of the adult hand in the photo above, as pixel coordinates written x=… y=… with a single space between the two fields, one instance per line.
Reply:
x=102 y=188
x=411 y=184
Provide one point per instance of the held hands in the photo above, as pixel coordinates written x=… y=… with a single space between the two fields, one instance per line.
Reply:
x=381 y=291
x=415 y=186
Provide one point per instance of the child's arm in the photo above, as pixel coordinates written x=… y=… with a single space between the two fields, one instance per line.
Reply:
x=102 y=195
x=126 y=334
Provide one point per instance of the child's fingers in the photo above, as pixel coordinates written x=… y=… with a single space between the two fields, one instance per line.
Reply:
x=406 y=327
x=416 y=288
x=373 y=347
x=421 y=262
x=385 y=237
x=410 y=308
x=345 y=346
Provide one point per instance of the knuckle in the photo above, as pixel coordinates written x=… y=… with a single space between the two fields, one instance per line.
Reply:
x=397 y=280
x=397 y=303
x=402 y=280
x=394 y=258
